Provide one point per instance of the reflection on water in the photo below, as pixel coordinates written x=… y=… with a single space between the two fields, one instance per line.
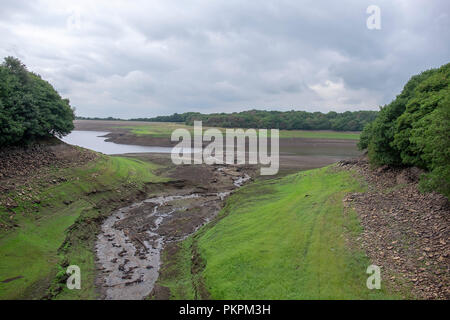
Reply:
x=95 y=140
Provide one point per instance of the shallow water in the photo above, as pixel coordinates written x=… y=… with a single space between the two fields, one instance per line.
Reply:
x=129 y=271
x=95 y=140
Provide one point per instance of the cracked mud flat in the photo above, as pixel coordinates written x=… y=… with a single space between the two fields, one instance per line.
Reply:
x=129 y=247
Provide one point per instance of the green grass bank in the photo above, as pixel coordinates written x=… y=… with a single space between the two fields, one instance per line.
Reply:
x=289 y=238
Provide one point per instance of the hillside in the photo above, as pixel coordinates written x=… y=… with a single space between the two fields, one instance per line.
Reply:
x=53 y=198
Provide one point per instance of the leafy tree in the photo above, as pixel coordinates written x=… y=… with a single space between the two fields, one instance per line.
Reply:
x=431 y=135
x=414 y=129
x=30 y=108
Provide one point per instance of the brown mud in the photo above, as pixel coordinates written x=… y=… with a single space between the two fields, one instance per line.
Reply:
x=296 y=154
x=132 y=238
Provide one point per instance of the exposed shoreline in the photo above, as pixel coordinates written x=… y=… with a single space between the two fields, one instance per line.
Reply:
x=423 y=265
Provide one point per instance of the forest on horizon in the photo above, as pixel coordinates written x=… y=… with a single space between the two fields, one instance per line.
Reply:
x=284 y=120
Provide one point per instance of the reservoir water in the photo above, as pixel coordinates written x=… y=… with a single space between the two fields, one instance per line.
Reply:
x=95 y=140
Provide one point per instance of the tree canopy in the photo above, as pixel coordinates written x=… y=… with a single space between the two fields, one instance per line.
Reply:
x=288 y=120
x=414 y=129
x=30 y=107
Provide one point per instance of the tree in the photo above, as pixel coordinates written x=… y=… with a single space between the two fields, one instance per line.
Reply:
x=30 y=108
x=414 y=129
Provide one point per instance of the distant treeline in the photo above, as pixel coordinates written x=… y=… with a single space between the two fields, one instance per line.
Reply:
x=98 y=118
x=30 y=107
x=414 y=129
x=287 y=120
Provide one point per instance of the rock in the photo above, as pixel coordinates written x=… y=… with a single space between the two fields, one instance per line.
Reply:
x=11 y=204
x=382 y=169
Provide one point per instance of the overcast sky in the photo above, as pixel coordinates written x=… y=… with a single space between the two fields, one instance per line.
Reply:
x=146 y=58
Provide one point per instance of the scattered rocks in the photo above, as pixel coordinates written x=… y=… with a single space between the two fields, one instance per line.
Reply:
x=31 y=160
x=409 y=175
x=11 y=204
x=405 y=232
x=23 y=167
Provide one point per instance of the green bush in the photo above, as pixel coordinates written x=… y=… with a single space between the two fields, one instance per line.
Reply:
x=414 y=129
x=30 y=107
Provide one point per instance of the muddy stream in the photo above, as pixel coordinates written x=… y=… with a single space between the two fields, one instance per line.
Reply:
x=129 y=246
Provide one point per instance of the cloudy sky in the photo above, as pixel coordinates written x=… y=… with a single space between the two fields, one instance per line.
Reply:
x=145 y=58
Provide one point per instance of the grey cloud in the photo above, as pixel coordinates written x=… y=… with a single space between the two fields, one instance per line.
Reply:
x=148 y=58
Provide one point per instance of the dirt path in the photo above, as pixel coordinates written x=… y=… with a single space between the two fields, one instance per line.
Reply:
x=132 y=238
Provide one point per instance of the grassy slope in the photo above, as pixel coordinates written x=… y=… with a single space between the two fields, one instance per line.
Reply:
x=279 y=239
x=163 y=129
x=31 y=250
